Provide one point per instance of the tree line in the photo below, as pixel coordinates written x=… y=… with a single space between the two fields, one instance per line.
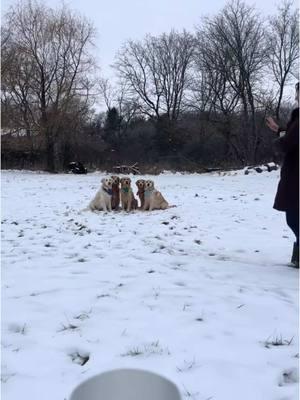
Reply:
x=183 y=100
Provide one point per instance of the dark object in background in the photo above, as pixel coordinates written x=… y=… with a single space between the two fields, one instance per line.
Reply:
x=127 y=169
x=271 y=167
x=77 y=168
x=262 y=168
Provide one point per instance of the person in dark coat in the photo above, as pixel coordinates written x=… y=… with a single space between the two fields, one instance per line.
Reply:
x=287 y=196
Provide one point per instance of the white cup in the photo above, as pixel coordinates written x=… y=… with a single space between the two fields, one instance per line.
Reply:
x=126 y=384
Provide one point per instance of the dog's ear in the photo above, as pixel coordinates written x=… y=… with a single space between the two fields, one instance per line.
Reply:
x=102 y=180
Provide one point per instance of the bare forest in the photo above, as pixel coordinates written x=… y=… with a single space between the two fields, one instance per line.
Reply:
x=181 y=100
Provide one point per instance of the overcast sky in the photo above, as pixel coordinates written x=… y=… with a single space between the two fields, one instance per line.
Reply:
x=118 y=20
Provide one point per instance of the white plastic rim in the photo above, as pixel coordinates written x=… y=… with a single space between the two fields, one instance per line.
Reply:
x=126 y=384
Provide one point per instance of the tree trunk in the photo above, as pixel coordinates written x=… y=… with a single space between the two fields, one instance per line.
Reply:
x=277 y=113
x=50 y=166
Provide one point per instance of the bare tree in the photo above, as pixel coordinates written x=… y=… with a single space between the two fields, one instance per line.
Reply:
x=283 y=54
x=52 y=66
x=107 y=92
x=120 y=97
x=157 y=70
x=6 y=50
x=122 y=108
x=233 y=49
x=216 y=100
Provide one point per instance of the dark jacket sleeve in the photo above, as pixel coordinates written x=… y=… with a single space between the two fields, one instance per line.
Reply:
x=291 y=138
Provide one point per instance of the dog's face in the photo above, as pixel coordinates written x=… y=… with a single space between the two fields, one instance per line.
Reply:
x=115 y=180
x=140 y=184
x=149 y=185
x=125 y=182
x=107 y=183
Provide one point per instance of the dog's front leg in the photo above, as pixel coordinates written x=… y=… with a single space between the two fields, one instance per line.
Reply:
x=151 y=205
x=104 y=205
x=116 y=206
x=108 y=203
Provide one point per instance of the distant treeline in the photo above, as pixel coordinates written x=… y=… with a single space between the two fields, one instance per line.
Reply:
x=184 y=100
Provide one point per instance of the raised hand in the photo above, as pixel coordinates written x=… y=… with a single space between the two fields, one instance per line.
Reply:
x=272 y=124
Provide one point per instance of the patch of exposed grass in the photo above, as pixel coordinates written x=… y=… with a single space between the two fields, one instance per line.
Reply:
x=187 y=366
x=78 y=358
x=68 y=327
x=153 y=348
x=135 y=351
x=274 y=341
x=101 y=296
x=84 y=315
x=22 y=329
x=188 y=393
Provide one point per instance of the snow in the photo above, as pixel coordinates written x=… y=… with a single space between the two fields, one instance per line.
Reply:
x=201 y=293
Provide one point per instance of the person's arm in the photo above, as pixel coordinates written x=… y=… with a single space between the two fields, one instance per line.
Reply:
x=271 y=124
x=290 y=139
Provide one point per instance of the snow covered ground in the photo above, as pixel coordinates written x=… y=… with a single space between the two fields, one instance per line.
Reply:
x=201 y=293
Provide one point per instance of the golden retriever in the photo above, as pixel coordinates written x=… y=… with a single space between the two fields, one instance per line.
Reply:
x=128 y=200
x=141 y=191
x=115 y=198
x=102 y=199
x=154 y=200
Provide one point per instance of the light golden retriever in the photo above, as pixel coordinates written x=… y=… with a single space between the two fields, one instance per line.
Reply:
x=102 y=199
x=154 y=200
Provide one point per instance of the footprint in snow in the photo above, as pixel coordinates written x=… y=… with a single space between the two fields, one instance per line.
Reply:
x=289 y=376
x=80 y=357
x=18 y=328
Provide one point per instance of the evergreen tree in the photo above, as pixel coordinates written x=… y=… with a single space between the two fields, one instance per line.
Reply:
x=112 y=127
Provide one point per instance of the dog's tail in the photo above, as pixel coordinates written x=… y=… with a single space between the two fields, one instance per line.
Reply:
x=88 y=208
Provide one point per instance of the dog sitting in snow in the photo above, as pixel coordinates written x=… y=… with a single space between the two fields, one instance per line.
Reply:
x=154 y=200
x=128 y=200
x=102 y=199
x=141 y=191
x=115 y=198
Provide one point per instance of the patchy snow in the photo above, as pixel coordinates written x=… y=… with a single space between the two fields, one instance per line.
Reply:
x=201 y=293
